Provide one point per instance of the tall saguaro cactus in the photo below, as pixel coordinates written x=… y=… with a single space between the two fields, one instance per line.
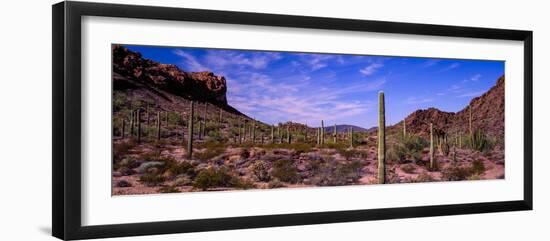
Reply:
x=322 y=132
x=351 y=136
x=432 y=164
x=253 y=131
x=470 y=123
x=288 y=133
x=272 y=132
x=131 y=123
x=158 y=125
x=123 y=128
x=381 y=139
x=138 y=126
x=190 y=129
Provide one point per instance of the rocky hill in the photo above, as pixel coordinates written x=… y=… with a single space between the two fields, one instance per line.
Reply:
x=133 y=72
x=487 y=114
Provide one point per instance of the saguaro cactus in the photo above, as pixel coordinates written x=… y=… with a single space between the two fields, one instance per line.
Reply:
x=158 y=125
x=190 y=129
x=470 y=125
x=204 y=119
x=131 y=124
x=351 y=137
x=123 y=127
x=288 y=133
x=253 y=131
x=322 y=132
x=335 y=134
x=381 y=139
x=272 y=134
x=147 y=113
x=138 y=125
x=432 y=164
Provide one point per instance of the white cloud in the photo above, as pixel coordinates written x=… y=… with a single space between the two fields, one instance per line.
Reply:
x=190 y=61
x=450 y=67
x=371 y=69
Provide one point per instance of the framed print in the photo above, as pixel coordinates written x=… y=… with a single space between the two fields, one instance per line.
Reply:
x=169 y=120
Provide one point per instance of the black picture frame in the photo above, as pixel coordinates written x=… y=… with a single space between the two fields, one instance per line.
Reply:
x=66 y=158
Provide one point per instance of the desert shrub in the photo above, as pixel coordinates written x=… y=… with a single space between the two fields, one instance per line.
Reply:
x=474 y=177
x=121 y=149
x=479 y=141
x=409 y=147
x=178 y=168
x=120 y=102
x=349 y=153
x=424 y=177
x=216 y=136
x=169 y=189
x=219 y=177
x=408 y=168
x=275 y=183
x=456 y=173
x=151 y=179
x=211 y=150
x=285 y=170
x=329 y=173
x=298 y=147
x=260 y=170
x=478 y=167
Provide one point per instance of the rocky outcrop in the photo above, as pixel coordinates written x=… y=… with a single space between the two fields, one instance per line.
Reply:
x=487 y=114
x=131 y=70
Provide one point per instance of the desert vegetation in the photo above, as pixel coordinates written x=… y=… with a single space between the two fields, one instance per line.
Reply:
x=166 y=143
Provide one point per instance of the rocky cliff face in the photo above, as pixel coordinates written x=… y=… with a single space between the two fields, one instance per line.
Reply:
x=487 y=114
x=131 y=70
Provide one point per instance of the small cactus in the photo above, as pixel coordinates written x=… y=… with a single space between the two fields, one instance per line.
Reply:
x=190 y=129
x=381 y=139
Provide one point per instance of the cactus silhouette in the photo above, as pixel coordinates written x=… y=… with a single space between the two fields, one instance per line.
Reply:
x=381 y=139
x=432 y=163
x=190 y=129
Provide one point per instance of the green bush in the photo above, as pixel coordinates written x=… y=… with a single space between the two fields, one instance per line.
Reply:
x=329 y=173
x=407 y=148
x=478 y=167
x=220 y=177
x=169 y=189
x=285 y=170
x=151 y=179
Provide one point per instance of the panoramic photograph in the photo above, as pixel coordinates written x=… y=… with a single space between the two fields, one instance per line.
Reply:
x=201 y=119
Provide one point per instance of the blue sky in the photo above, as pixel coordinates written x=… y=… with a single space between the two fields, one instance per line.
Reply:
x=339 y=89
